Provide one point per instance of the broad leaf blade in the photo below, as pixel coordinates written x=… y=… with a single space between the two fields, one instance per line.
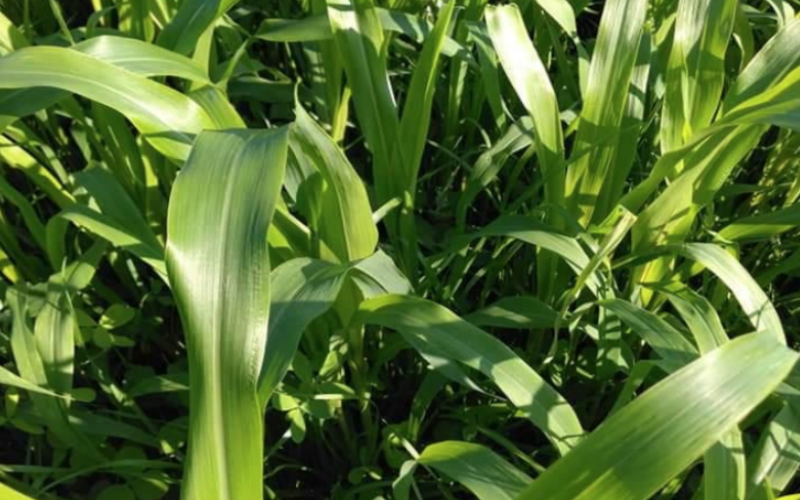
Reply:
x=428 y=326
x=168 y=118
x=654 y=438
x=346 y=220
x=485 y=473
x=218 y=264
x=302 y=290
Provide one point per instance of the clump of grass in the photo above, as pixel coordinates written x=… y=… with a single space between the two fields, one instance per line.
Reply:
x=362 y=249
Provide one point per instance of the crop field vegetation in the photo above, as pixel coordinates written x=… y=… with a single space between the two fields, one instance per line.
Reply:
x=399 y=249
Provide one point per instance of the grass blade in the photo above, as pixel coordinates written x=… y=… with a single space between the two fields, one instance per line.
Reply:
x=658 y=435
x=751 y=297
x=346 y=218
x=610 y=73
x=168 y=118
x=762 y=226
x=359 y=36
x=427 y=325
x=190 y=22
x=219 y=269
x=485 y=473
x=302 y=290
x=415 y=121
x=668 y=342
x=696 y=69
x=529 y=78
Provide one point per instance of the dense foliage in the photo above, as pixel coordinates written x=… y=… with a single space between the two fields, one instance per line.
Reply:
x=399 y=249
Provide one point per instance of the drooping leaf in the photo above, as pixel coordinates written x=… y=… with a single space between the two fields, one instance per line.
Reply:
x=432 y=328
x=486 y=474
x=751 y=297
x=167 y=117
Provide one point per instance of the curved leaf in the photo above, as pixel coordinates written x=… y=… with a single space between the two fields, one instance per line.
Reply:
x=648 y=442
x=485 y=473
x=432 y=328
x=751 y=297
x=166 y=117
x=218 y=266
x=346 y=216
x=302 y=290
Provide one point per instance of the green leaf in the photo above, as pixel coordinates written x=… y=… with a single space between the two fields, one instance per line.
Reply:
x=531 y=231
x=774 y=461
x=218 y=265
x=706 y=167
x=762 y=226
x=485 y=473
x=166 y=117
x=751 y=297
x=606 y=97
x=773 y=62
x=644 y=445
x=698 y=314
x=317 y=28
x=668 y=342
x=36 y=368
x=116 y=492
x=173 y=382
x=54 y=330
x=515 y=312
x=611 y=241
x=117 y=234
x=696 y=71
x=11 y=38
x=32 y=221
x=346 y=219
x=132 y=55
x=776 y=106
x=115 y=203
x=116 y=316
x=11 y=379
x=529 y=78
x=632 y=122
x=416 y=118
x=190 y=22
x=119 y=220
x=7 y=493
x=434 y=329
x=142 y=58
x=16 y=157
x=725 y=468
x=378 y=275
x=302 y=290
x=359 y=37
x=402 y=485
x=518 y=136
